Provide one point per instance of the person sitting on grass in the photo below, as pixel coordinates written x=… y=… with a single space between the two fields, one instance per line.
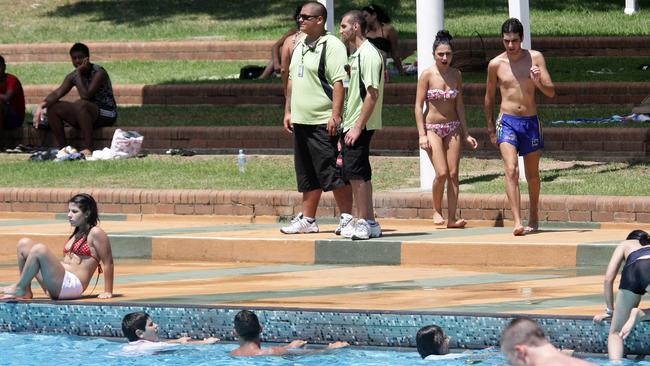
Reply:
x=12 y=101
x=142 y=333
x=248 y=330
x=87 y=250
x=96 y=108
x=274 y=66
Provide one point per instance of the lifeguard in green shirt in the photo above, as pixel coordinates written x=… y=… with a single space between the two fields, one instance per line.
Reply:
x=361 y=119
x=312 y=114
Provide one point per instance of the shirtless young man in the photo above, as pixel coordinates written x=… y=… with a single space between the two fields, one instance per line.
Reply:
x=248 y=329
x=524 y=343
x=518 y=73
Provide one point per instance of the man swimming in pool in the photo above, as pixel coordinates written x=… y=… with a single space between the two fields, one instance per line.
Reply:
x=248 y=329
x=524 y=343
x=518 y=73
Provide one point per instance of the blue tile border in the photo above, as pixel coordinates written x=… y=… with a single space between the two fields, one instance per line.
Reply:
x=359 y=327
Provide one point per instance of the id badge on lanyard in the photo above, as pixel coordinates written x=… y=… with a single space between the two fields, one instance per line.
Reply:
x=301 y=70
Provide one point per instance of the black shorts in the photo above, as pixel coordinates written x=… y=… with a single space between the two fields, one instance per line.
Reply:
x=356 y=158
x=105 y=119
x=13 y=119
x=315 y=153
x=636 y=276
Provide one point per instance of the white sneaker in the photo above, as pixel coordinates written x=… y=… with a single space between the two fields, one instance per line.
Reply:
x=375 y=230
x=346 y=223
x=364 y=231
x=300 y=225
x=348 y=231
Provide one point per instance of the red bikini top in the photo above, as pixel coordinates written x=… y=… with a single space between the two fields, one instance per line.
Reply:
x=81 y=248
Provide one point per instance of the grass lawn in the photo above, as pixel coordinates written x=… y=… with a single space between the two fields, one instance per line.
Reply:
x=562 y=69
x=137 y=71
x=395 y=116
x=272 y=115
x=277 y=173
x=121 y=20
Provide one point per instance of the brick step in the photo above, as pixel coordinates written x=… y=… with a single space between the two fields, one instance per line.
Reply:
x=394 y=93
x=261 y=50
x=584 y=143
x=397 y=205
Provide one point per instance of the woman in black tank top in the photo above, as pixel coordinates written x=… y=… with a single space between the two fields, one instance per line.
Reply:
x=381 y=34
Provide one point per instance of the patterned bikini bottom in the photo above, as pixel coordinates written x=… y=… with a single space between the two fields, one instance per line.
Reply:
x=442 y=129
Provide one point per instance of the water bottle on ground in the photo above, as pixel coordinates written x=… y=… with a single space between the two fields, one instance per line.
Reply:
x=241 y=161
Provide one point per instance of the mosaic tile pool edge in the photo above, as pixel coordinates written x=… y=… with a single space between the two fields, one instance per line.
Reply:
x=367 y=328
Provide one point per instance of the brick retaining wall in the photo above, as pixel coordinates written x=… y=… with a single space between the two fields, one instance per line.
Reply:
x=584 y=143
x=492 y=207
x=629 y=93
x=261 y=50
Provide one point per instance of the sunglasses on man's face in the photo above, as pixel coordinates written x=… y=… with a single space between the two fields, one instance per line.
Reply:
x=305 y=17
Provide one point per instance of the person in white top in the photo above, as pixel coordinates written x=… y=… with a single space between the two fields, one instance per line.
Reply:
x=142 y=333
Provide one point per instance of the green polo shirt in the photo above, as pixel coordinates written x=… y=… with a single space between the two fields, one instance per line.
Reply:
x=310 y=103
x=366 y=65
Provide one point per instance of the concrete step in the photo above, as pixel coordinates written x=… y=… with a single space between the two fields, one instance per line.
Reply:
x=493 y=208
x=603 y=144
x=630 y=93
x=258 y=239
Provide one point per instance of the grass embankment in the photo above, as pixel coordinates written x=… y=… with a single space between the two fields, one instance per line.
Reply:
x=277 y=173
x=399 y=116
x=123 y=20
x=393 y=116
x=562 y=69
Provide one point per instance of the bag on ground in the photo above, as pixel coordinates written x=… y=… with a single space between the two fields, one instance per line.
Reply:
x=126 y=144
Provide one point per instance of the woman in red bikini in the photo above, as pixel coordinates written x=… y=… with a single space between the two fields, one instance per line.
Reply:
x=87 y=250
x=442 y=126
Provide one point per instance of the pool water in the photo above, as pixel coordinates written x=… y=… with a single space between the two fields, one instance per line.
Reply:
x=54 y=350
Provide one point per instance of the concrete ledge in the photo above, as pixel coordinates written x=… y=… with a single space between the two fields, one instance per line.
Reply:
x=594 y=143
x=399 y=205
x=394 y=93
x=261 y=50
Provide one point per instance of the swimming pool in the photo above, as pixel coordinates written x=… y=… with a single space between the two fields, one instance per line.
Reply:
x=390 y=330
x=59 y=350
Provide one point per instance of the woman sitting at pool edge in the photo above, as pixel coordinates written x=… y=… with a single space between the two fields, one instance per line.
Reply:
x=87 y=250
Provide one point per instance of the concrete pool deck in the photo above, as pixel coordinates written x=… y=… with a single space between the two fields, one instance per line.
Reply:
x=415 y=266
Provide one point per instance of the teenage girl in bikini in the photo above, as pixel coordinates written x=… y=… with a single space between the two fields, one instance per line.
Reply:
x=442 y=126
x=634 y=254
x=87 y=250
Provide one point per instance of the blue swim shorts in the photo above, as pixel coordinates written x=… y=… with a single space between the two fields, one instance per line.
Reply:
x=523 y=132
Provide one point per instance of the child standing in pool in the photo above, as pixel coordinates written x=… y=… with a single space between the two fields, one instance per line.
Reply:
x=442 y=126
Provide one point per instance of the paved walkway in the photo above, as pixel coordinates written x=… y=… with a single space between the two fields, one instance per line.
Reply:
x=415 y=266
